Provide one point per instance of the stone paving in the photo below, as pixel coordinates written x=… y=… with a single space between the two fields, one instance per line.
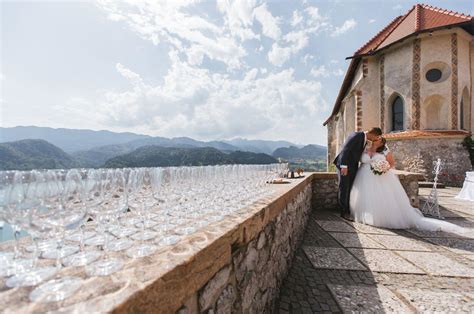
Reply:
x=344 y=267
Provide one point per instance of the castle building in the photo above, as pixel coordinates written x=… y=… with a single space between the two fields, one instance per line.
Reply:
x=414 y=79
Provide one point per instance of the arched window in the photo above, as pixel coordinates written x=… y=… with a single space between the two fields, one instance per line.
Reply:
x=397 y=114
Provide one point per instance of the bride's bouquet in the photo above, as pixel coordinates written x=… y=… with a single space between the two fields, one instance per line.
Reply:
x=380 y=167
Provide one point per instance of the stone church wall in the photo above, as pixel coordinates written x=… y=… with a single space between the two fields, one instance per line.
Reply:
x=417 y=155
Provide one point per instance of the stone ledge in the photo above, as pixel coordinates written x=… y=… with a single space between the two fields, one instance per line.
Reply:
x=333 y=175
x=323 y=175
x=163 y=282
x=406 y=174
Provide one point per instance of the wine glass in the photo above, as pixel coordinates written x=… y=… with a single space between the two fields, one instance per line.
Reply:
x=7 y=267
x=32 y=184
x=115 y=202
x=62 y=208
x=91 y=200
x=143 y=200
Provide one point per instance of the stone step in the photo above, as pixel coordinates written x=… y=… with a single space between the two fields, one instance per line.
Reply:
x=425 y=184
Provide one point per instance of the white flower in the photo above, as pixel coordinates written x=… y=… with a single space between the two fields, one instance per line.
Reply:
x=380 y=167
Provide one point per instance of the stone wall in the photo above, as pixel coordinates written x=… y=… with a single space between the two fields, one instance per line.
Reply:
x=325 y=189
x=417 y=155
x=250 y=281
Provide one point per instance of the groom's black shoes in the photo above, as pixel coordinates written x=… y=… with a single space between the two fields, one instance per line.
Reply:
x=347 y=216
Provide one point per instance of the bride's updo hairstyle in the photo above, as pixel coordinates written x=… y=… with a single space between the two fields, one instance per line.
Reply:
x=382 y=147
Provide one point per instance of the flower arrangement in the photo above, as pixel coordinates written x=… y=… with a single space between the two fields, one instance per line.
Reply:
x=380 y=167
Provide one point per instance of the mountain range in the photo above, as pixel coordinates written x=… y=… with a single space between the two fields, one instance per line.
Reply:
x=33 y=154
x=75 y=140
x=41 y=147
x=156 y=156
x=39 y=154
x=308 y=152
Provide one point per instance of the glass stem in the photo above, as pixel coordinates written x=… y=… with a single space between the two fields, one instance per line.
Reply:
x=36 y=252
x=60 y=249
x=142 y=216
x=16 y=247
x=81 y=243
x=106 y=239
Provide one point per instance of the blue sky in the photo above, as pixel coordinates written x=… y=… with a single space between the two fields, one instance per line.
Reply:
x=204 y=69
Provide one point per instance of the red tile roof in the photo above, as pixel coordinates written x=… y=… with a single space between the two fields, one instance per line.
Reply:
x=424 y=134
x=419 y=18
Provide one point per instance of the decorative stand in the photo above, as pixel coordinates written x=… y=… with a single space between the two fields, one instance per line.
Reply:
x=431 y=207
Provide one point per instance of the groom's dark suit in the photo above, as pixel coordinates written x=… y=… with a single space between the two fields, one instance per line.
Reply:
x=349 y=156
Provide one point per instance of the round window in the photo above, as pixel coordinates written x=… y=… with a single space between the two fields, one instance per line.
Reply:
x=433 y=75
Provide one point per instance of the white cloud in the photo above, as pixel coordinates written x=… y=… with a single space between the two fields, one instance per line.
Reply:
x=346 y=26
x=251 y=75
x=307 y=58
x=315 y=21
x=338 y=72
x=238 y=17
x=296 y=19
x=269 y=23
x=195 y=102
x=290 y=45
x=131 y=76
x=306 y=24
x=320 y=71
x=279 y=55
x=169 y=21
x=2 y=77
x=371 y=21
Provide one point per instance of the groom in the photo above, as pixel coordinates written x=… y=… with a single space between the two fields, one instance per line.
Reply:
x=347 y=164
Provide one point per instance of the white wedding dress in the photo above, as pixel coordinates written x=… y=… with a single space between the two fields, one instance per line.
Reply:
x=381 y=201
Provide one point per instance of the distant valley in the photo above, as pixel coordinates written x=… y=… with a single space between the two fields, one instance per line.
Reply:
x=39 y=147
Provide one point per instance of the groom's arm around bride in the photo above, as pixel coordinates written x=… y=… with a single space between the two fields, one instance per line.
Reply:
x=347 y=164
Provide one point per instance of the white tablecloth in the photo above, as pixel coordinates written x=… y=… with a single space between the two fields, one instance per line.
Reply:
x=467 y=192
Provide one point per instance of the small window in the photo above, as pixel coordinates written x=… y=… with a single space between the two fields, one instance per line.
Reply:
x=397 y=114
x=433 y=75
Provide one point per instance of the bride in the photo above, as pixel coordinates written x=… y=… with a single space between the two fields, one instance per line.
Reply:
x=381 y=201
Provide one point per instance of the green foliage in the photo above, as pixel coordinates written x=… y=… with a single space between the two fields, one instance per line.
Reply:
x=309 y=157
x=309 y=165
x=469 y=144
x=156 y=156
x=33 y=154
x=249 y=158
x=308 y=152
x=332 y=168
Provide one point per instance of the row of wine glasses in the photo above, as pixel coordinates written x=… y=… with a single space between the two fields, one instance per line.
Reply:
x=97 y=218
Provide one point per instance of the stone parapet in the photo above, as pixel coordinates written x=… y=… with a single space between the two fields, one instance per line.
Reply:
x=325 y=188
x=235 y=265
